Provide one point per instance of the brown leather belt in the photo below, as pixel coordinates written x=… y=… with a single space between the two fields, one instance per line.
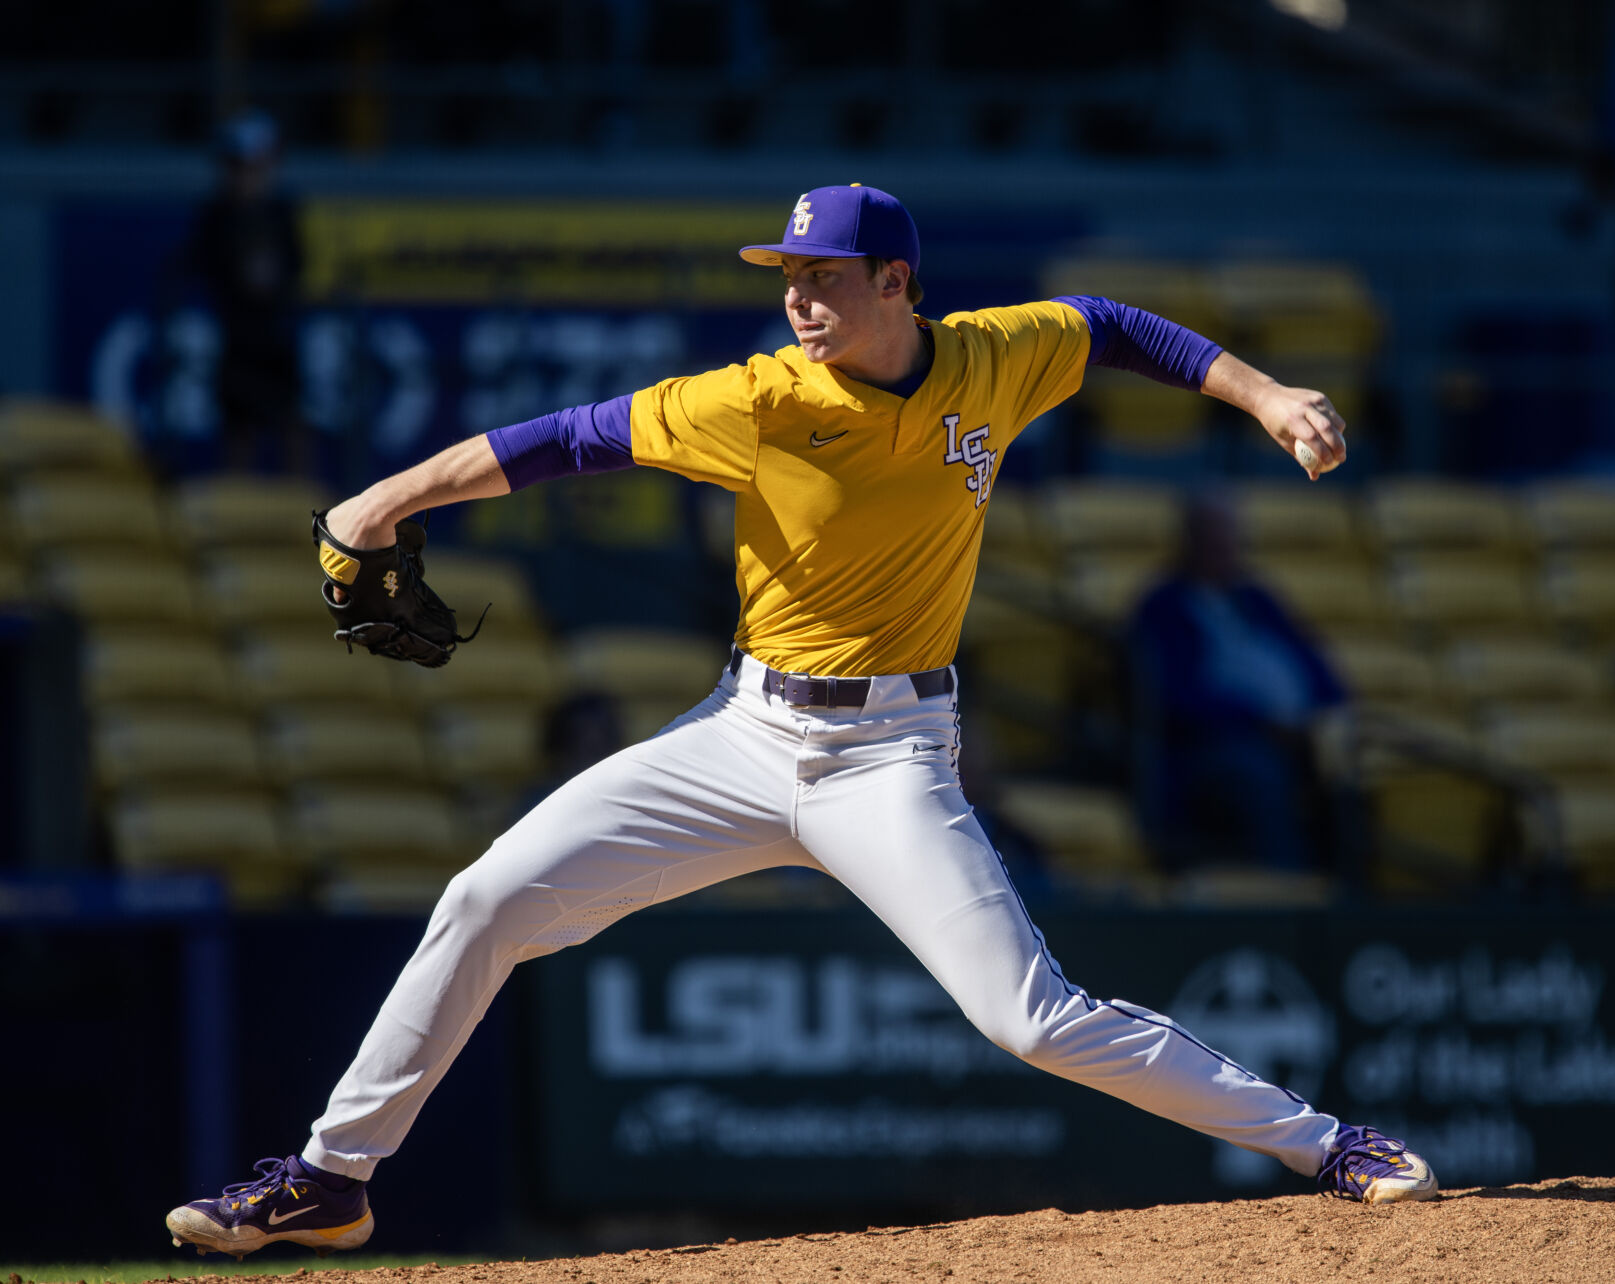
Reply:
x=808 y=692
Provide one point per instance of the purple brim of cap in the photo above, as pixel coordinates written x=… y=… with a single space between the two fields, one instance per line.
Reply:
x=774 y=255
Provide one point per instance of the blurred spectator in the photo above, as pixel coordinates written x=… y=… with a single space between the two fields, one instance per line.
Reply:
x=1226 y=688
x=246 y=251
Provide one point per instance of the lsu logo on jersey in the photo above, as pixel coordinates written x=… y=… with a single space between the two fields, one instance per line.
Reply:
x=971 y=451
x=801 y=216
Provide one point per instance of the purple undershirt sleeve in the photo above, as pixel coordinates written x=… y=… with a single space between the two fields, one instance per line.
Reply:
x=595 y=438
x=1127 y=338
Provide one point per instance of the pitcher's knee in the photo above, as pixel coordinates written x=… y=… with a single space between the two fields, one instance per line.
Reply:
x=1019 y=1033
x=475 y=903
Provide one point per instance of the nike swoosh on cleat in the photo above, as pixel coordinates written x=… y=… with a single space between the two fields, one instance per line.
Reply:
x=275 y=1219
x=816 y=440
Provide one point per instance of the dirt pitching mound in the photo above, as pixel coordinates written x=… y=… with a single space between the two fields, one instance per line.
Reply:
x=1561 y=1232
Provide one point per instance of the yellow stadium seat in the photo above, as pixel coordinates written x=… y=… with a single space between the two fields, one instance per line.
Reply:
x=285 y=667
x=264 y=586
x=1523 y=669
x=1587 y=817
x=1448 y=592
x=263 y=512
x=49 y=434
x=1299 y=308
x=343 y=742
x=1297 y=516
x=1170 y=288
x=643 y=716
x=523 y=671
x=1579 y=590
x=147 y=743
x=1330 y=593
x=1089 y=514
x=131 y=664
x=1430 y=512
x=646 y=663
x=485 y=744
x=470 y=581
x=1109 y=587
x=1572 y=514
x=232 y=832
x=1082 y=831
x=112 y=586
x=1142 y=416
x=1017 y=531
x=350 y=826
x=1435 y=827
x=1563 y=742
x=52 y=509
x=14 y=582
x=1385 y=672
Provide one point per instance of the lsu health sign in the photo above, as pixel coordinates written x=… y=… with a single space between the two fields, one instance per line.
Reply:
x=754 y=1059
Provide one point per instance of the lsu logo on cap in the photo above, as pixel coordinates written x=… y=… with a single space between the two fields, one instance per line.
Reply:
x=802 y=217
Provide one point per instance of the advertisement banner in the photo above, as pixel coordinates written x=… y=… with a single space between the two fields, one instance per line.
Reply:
x=772 y=1058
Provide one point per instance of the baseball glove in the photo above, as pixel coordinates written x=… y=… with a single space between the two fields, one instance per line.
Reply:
x=388 y=608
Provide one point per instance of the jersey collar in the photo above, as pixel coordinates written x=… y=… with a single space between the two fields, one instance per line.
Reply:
x=911 y=413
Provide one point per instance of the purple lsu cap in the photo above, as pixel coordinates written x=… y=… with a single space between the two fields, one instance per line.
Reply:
x=844 y=223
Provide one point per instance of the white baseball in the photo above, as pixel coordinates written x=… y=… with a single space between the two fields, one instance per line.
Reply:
x=1308 y=458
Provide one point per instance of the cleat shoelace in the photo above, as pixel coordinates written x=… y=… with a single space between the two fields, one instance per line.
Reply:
x=273 y=1175
x=1354 y=1162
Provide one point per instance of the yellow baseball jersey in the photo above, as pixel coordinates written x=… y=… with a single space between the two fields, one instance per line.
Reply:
x=858 y=513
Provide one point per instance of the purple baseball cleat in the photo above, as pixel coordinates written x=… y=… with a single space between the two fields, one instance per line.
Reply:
x=1366 y=1165
x=287 y=1202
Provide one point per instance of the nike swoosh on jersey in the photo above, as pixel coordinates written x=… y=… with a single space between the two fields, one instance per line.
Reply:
x=816 y=440
x=275 y=1219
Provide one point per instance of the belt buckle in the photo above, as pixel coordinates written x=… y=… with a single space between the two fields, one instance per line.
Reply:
x=800 y=677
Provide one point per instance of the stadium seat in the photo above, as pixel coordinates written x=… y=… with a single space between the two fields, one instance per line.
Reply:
x=1572 y=515
x=112 y=586
x=14 y=582
x=346 y=828
x=1086 y=835
x=1587 y=817
x=1579 y=589
x=1085 y=514
x=119 y=510
x=1108 y=586
x=1445 y=594
x=1407 y=513
x=1297 y=516
x=340 y=742
x=1385 y=672
x=1017 y=533
x=523 y=672
x=304 y=666
x=1298 y=308
x=1329 y=593
x=149 y=743
x=1142 y=417
x=484 y=743
x=263 y=512
x=1564 y=742
x=156 y=664
x=470 y=581
x=52 y=435
x=234 y=833
x=1435 y=829
x=646 y=663
x=1513 y=670
x=258 y=586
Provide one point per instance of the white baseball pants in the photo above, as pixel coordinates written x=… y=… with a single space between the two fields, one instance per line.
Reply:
x=745 y=782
